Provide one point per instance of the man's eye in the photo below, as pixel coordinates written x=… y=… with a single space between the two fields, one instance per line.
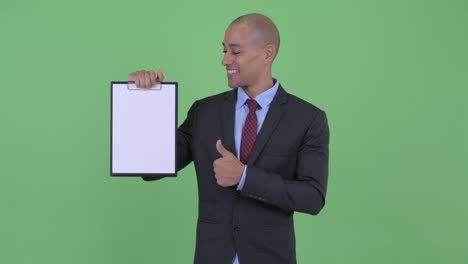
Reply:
x=233 y=52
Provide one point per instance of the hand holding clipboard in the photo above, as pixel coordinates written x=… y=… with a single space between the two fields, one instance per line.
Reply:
x=146 y=79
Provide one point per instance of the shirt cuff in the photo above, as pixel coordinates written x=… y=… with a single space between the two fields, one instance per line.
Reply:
x=241 y=183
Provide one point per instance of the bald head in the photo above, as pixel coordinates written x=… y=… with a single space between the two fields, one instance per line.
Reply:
x=262 y=27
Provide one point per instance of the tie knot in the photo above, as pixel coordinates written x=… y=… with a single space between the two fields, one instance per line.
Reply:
x=252 y=104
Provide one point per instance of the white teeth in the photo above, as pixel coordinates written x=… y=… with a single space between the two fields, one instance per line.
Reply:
x=231 y=71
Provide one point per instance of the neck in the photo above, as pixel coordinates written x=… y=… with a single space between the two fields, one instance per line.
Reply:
x=253 y=90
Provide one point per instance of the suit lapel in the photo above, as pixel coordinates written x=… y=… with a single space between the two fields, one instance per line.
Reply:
x=272 y=118
x=227 y=116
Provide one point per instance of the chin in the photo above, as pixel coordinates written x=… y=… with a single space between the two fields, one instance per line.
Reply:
x=232 y=85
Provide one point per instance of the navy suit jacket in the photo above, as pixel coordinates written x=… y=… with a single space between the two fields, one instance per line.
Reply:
x=287 y=172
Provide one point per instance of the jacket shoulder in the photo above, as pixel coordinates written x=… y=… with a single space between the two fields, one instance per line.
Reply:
x=216 y=97
x=296 y=102
x=215 y=100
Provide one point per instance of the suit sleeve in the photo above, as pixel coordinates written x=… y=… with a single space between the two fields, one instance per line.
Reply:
x=306 y=192
x=184 y=142
x=185 y=138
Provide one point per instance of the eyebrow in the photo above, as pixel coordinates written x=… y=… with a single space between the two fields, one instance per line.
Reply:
x=233 y=45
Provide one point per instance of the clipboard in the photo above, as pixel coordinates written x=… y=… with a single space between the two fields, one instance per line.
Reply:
x=143 y=130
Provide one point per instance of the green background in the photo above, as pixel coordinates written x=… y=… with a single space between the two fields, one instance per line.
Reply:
x=391 y=75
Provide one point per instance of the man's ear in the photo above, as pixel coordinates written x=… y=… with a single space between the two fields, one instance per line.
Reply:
x=270 y=52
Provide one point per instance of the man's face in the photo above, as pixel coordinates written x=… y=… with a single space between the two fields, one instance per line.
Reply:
x=243 y=57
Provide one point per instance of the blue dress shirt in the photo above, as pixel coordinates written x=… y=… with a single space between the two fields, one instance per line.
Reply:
x=264 y=100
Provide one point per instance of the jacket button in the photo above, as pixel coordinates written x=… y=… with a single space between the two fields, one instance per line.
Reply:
x=236 y=228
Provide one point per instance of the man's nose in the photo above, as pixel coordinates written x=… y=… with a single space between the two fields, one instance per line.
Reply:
x=227 y=59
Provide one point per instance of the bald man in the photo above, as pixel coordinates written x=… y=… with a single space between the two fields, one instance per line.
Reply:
x=260 y=153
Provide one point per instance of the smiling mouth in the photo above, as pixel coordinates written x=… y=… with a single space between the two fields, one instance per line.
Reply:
x=231 y=72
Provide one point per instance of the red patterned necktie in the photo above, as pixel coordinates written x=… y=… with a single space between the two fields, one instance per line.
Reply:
x=249 y=134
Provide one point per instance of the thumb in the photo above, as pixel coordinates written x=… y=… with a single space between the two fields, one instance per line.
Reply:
x=160 y=75
x=222 y=150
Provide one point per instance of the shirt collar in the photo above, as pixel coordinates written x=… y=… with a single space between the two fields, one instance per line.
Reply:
x=264 y=99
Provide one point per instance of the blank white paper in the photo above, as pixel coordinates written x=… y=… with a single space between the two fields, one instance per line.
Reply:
x=144 y=129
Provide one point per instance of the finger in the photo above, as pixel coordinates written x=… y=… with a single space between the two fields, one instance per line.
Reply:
x=160 y=75
x=216 y=172
x=219 y=182
x=152 y=77
x=133 y=77
x=141 y=79
x=147 y=79
x=222 y=150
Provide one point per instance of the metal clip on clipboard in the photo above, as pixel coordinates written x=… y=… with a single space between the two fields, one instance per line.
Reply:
x=156 y=87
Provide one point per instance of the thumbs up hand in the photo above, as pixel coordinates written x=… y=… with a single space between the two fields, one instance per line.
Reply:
x=227 y=169
x=223 y=151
